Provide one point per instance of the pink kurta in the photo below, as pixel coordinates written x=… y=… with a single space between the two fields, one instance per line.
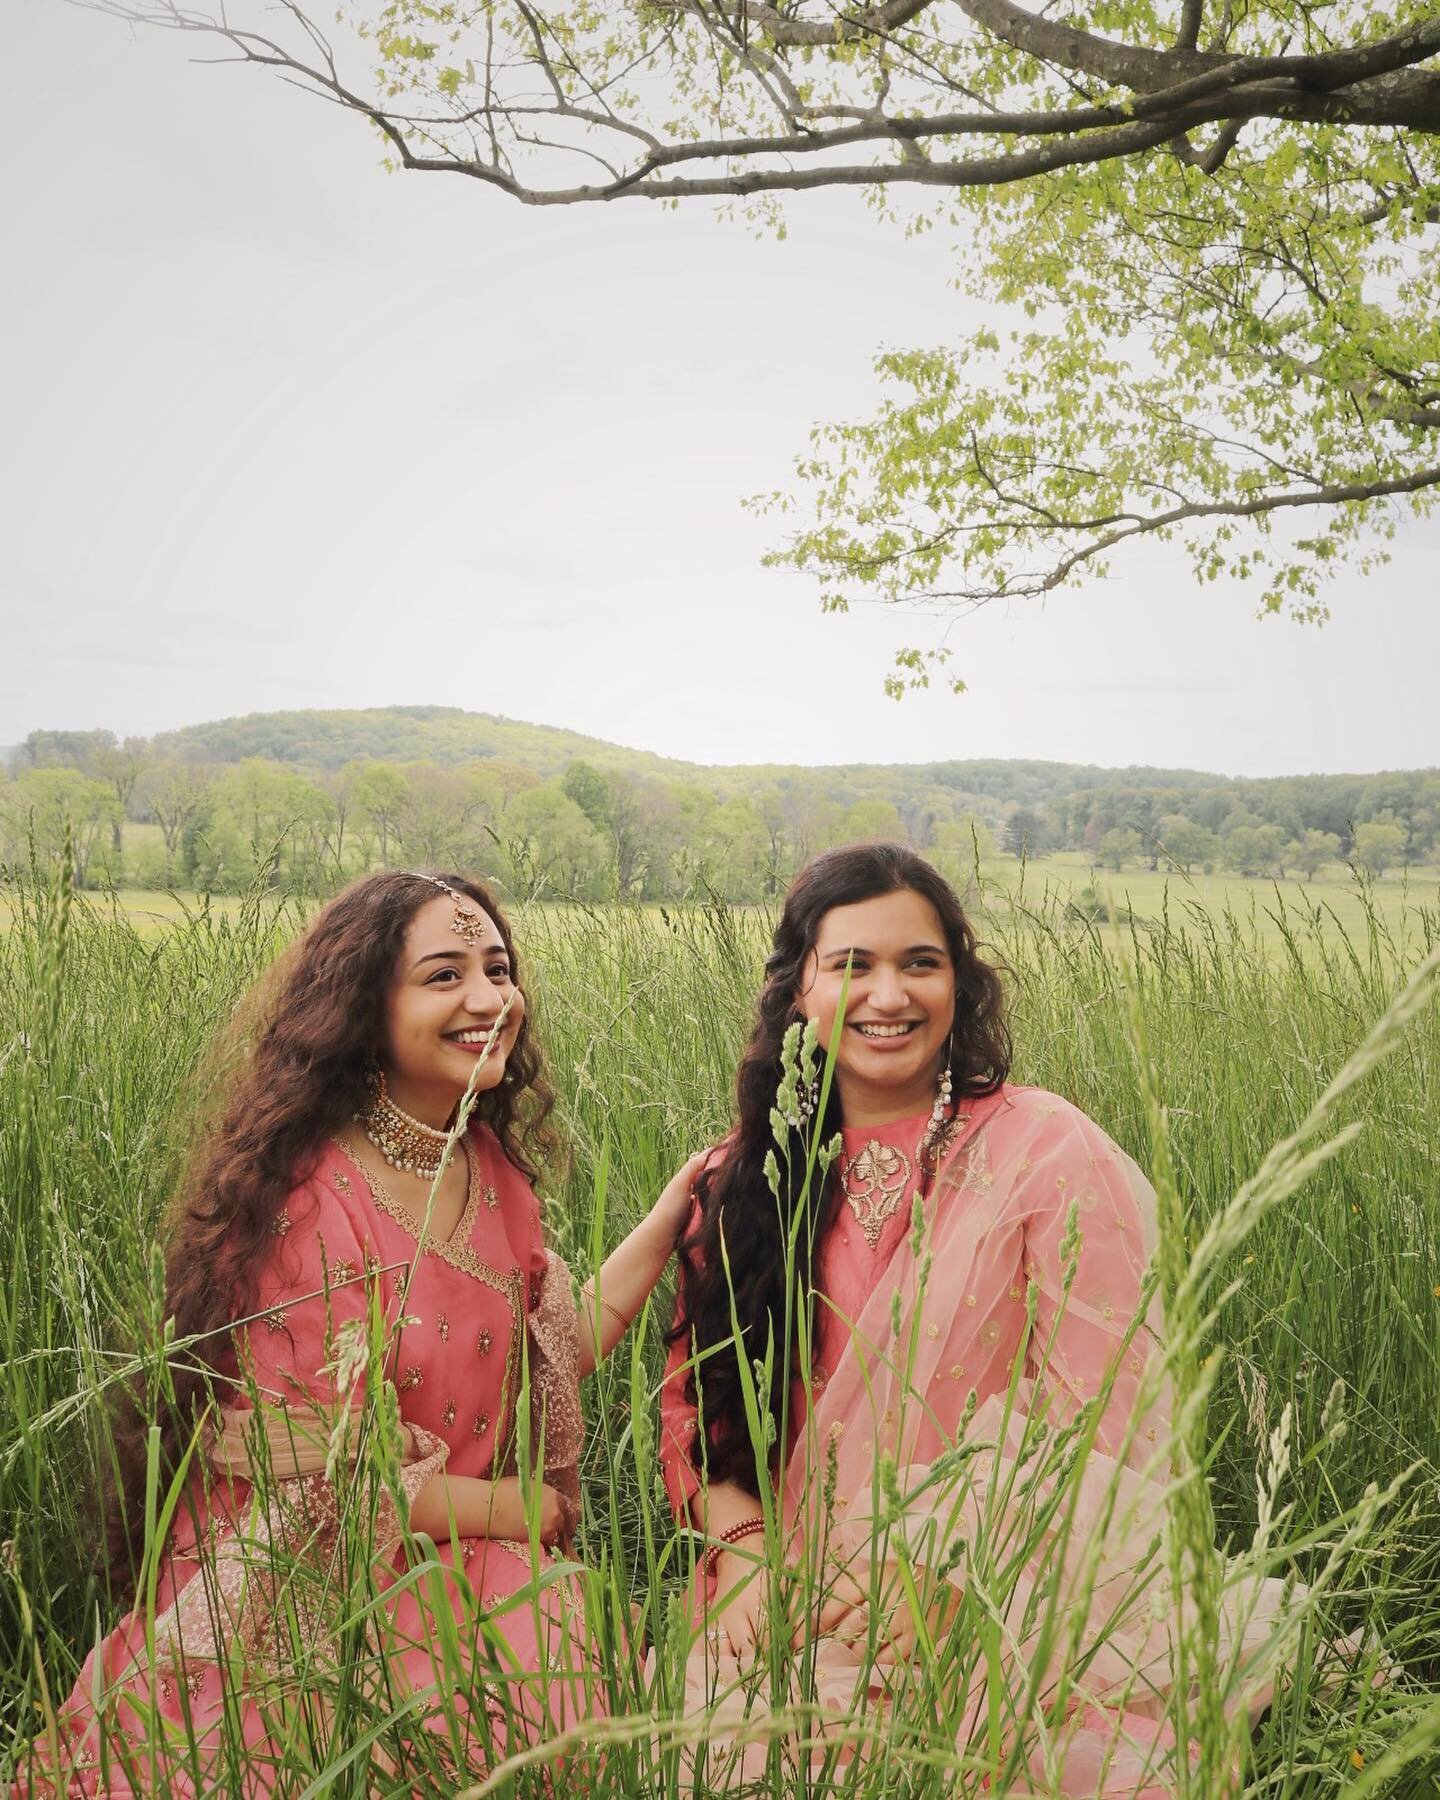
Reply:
x=455 y=1364
x=943 y=1437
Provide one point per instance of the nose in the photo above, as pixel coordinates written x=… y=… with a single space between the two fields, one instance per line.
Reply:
x=482 y=998
x=888 y=992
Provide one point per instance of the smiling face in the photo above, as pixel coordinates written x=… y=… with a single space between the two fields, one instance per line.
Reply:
x=445 y=998
x=899 y=1008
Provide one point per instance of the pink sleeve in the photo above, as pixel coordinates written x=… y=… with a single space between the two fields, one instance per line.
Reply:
x=313 y=1286
x=679 y=1417
x=1081 y=1337
x=314 y=1293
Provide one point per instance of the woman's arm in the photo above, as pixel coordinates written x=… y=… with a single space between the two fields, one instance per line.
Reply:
x=478 y=1508
x=1080 y=1349
x=610 y=1301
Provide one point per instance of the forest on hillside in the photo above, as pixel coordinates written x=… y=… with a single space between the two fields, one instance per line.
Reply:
x=306 y=800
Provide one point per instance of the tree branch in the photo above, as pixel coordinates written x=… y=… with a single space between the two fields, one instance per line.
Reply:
x=1338 y=494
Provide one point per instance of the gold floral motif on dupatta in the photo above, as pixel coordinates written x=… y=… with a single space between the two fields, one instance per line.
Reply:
x=873 y=1184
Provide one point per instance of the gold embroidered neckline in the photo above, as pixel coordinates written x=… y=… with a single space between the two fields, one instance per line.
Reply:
x=456 y=1249
x=402 y=1215
x=879 y=1176
x=872 y=1182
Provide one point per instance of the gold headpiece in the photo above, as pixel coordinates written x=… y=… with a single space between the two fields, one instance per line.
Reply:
x=469 y=922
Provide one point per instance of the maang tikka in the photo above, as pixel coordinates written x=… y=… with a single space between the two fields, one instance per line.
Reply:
x=469 y=921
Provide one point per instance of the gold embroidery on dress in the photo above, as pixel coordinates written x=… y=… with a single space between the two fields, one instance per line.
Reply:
x=457 y=1251
x=342 y=1269
x=481 y=1425
x=275 y=1321
x=485 y=1342
x=442 y=1325
x=412 y=1378
x=281 y=1222
x=490 y=1196
x=873 y=1183
x=448 y=1416
x=341 y=1180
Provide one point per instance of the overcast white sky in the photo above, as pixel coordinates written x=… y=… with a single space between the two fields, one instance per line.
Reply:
x=282 y=430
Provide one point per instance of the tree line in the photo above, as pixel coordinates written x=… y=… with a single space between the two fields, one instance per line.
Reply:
x=138 y=814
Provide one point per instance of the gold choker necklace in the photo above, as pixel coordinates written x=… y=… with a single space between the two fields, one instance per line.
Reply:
x=405 y=1143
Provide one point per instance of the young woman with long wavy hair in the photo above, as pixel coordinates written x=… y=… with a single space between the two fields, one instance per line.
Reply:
x=959 y=1338
x=318 y=1245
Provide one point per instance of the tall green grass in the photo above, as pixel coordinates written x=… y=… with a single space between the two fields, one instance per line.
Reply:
x=1306 y=1333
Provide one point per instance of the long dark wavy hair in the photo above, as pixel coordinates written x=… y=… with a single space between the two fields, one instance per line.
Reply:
x=734 y=1191
x=322 y=1026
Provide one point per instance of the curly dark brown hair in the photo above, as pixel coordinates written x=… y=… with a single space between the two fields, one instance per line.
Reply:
x=323 y=1027
x=735 y=1191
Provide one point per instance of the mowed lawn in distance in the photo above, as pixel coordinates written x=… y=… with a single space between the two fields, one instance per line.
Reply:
x=1332 y=1328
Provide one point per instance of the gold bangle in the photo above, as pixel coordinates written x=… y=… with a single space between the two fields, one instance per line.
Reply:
x=614 y=1311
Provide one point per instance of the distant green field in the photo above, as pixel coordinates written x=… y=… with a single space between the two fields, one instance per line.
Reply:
x=1330 y=906
x=1335 y=904
x=145 y=907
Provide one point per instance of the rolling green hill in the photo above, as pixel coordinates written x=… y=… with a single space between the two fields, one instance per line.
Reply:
x=448 y=735
x=440 y=734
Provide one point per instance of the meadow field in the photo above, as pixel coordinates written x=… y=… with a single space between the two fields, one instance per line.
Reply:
x=1339 y=904
x=1302 y=1293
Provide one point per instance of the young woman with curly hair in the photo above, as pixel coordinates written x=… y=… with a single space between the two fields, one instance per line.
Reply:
x=967 y=1425
x=317 y=1244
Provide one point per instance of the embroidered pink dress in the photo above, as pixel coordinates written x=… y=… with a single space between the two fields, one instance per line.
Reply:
x=456 y=1371
x=975 y=1433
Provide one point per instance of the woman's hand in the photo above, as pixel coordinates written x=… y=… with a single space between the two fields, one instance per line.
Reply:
x=672 y=1210
x=846 y=1611
x=738 y=1614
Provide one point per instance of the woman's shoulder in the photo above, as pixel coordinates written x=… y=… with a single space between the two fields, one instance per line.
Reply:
x=484 y=1145
x=1021 y=1101
x=329 y=1195
x=1040 y=1112
x=509 y=1198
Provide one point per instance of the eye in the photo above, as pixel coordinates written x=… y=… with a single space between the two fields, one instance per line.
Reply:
x=499 y=972
x=442 y=975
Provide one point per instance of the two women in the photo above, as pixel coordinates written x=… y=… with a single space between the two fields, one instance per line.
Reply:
x=941 y=1334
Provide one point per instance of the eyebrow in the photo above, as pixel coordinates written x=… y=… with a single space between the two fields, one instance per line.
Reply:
x=860 y=950
x=459 y=955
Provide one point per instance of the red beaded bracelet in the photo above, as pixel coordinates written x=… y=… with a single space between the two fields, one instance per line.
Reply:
x=725 y=1539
